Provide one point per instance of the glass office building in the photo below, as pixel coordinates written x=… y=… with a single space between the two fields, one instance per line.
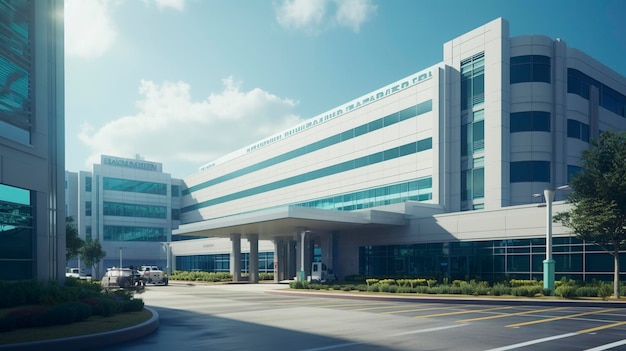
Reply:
x=32 y=221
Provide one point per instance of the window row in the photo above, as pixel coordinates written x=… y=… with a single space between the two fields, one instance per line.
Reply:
x=378 y=157
x=134 y=210
x=472 y=81
x=386 y=121
x=577 y=130
x=416 y=190
x=530 y=171
x=128 y=233
x=530 y=121
x=134 y=186
x=16 y=233
x=221 y=262
x=579 y=83
x=530 y=68
x=15 y=70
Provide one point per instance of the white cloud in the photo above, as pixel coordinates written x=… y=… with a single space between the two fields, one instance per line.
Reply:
x=174 y=4
x=183 y=134
x=300 y=14
x=313 y=16
x=89 y=30
x=352 y=13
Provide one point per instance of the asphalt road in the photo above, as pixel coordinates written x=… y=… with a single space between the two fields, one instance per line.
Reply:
x=257 y=317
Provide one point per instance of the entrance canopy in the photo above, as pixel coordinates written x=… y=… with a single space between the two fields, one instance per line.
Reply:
x=289 y=220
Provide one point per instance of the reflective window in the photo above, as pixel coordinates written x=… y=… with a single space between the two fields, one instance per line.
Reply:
x=16 y=234
x=134 y=186
x=15 y=70
x=530 y=68
x=530 y=171
x=577 y=130
x=530 y=121
x=134 y=210
x=386 y=121
x=175 y=190
x=572 y=171
x=473 y=81
x=579 y=83
x=88 y=184
x=87 y=208
x=127 y=233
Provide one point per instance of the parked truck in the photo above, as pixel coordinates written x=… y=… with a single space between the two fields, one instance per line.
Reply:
x=153 y=275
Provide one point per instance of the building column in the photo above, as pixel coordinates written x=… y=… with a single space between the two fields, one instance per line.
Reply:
x=235 y=257
x=291 y=261
x=280 y=261
x=253 y=262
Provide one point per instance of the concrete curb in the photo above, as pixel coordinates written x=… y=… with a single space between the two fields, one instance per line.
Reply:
x=91 y=341
x=454 y=299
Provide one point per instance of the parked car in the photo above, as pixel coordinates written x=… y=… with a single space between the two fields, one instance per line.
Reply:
x=121 y=278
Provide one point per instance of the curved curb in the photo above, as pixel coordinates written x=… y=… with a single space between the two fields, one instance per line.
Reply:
x=456 y=299
x=86 y=342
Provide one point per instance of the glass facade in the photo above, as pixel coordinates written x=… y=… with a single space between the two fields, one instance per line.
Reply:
x=16 y=234
x=473 y=132
x=577 y=130
x=409 y=112
x=16 y=62
x=493 y=261
x=416 y=190
x=530 y=171
x=128 y=233
x=530 y=68
x=579 y=83
x=378 y=157
x=221 y=262
x=134 y=186
x=530 y=121
x=134 y=210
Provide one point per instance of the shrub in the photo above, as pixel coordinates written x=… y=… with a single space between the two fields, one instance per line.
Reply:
x=387 y=281
x=134 y=305
x=373 y=287
x=431 y=282
x=371 y=281
x=605 y=290
x=587 y=291
x=29 y=317
x=403 y=282
x=500 y=289
x=418 y=282
x=67 y=313
x=566 y=291
x=523 y=282
x=361 y=287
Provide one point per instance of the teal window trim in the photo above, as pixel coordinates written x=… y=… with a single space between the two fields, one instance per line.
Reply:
x=134 y=210
x=386 y=121
x=375 y=158
x=134 y=186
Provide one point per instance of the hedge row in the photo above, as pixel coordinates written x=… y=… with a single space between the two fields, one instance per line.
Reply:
x=528 y=288
x=46 y=304
x=212 y=276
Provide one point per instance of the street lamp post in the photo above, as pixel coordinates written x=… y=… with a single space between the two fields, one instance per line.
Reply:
x=549 y=263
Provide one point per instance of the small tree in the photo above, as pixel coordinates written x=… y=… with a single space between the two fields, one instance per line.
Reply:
x=73 y=242
x=91 y=253
x=598 y=214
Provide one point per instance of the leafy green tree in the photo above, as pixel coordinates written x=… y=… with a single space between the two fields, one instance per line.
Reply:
x=91 y=253
x=73 y=242
x=598 y=213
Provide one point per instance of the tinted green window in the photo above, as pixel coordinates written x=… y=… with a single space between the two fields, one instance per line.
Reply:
x=134 y=210
x=530 y=121
x=374 y=125
x=128 y=233
x=530 y=68
x=16 y=234
x=134 y=186
x=530 y=171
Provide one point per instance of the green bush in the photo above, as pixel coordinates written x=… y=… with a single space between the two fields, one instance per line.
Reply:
x=500 y=289
x=523 y=282
x=371 y=281
x=566 y=291
x=587 y=291
x=134 y=305
x=605 y=290
x=67 y=313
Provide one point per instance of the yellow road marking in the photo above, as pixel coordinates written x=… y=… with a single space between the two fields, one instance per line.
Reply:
x=558 y=318
x=591 y=330
x=417 y=310
x=508 y=315
x=463 y=312
x=375 y=308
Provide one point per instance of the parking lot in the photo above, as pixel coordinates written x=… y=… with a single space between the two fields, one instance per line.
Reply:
x=261 y=317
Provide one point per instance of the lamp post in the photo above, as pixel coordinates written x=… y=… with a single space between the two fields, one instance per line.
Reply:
x=121 y=249
x=549 y=263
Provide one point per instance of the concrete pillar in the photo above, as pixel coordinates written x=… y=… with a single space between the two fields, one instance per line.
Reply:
x=280 y=260
x=235 y=257
x=253 y=263
x=291 y=259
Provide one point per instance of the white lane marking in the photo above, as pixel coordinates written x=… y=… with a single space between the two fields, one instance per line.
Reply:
x=608 y=346
x=532 y=342
x=428 y=330
x=337 y=346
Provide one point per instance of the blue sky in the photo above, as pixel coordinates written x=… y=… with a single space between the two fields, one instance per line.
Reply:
x=184 y=82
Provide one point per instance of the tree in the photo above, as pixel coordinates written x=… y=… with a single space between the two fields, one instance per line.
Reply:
x=73 y=242
x=598 y=213
x=91 y=253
